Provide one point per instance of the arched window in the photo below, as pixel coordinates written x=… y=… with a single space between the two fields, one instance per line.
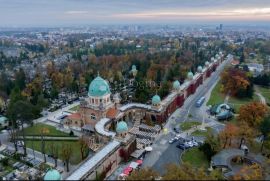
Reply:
x=93 y=116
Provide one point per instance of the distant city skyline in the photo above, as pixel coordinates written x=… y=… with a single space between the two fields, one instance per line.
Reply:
x=87 y=12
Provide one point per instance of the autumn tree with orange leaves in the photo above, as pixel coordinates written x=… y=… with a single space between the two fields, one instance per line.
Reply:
x=249 y=119
x=229 y=133
x=234 y=80
x=252 y=113
x=249 y=172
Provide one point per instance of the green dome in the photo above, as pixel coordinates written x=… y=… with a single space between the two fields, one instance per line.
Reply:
x=199 y=69
x=176 y=84
x=98 y=87
x=52 y=174
x=190 y=75
x=156 y=99
x=121 y=127
x=206 y=63
x=134 y=67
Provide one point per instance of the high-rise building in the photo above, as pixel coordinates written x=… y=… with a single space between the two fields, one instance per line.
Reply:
x=220 y=26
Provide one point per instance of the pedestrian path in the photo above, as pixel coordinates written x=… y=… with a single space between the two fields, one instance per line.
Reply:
x=66 y=138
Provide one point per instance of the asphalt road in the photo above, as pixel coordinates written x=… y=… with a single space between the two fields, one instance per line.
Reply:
x=164 y=153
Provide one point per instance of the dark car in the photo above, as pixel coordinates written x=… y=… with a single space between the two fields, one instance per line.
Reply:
x=181 y=146
x=177 y=130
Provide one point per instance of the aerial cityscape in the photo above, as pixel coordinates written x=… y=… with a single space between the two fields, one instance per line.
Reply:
x=134 y=90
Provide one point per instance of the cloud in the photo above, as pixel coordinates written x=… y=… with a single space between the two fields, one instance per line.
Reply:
x=76 y=12
x=258 y=12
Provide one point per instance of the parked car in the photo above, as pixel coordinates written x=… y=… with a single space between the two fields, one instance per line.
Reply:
x=172 y=140
x=194 y=143
x=176 y=129
x=182 y=146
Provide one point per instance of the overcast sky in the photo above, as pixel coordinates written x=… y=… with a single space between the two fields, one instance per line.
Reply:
x=86 y=12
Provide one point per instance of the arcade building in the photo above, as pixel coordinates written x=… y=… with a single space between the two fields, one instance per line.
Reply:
x=117 y=130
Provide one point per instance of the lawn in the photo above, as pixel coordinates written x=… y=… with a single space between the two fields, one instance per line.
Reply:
x=265 y=91
x=196 y=158
x=36 y=130
x=237 y=103
x=202 y=133
x=216 y=96
x=75 y=146
x=187 y=125
x=75 y=108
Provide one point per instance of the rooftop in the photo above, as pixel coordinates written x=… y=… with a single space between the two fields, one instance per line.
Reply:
x=92 y=162
x=100 y=127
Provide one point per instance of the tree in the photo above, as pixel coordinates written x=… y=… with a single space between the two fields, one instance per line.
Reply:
x=83 y=147
x=54 y=153
x=43 y=132
x=20 y=79
x=265 y=130
x=186 y=172
x=143 y=174
x=252 y=114
x=66 y=154
x=164 y=90
x=245 y=133
x=21 y=112
x=230 y=131
x=249 y=172
x=234 y=80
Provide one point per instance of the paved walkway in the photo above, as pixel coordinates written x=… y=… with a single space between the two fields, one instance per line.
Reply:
x=258 y=93
x=67 y=138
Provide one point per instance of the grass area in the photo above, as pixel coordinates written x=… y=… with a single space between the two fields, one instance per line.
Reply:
x=216 y=96
x=265 y=91
x=36 y=130
x=6 y=170
x=237 y=103
x=195 y=157
x=75 y=146
x=75 y=108
x=187 y=125
x=201 y=133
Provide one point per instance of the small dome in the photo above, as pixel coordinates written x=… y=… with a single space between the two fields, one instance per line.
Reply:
x=199 y=69
x=98 y=87
x=134 y=67
x=206 y=63
x=176 y=85
x=121 y=127
x=52 y=174
x=190 y=75
x=212 y=59
x=156 y=100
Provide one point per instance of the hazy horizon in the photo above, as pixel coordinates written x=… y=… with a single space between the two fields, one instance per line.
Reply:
x=36 y=13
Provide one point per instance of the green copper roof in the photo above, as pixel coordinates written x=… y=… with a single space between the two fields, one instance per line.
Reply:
x=199 y=69
x=98 y=87
x=176 y=84
x=121 y=127
x=156 y=99
x=52 y=174
x=3 y=119
x=134 y=67
x=190 y=75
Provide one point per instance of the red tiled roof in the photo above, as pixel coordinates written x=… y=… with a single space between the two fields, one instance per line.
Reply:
x=112 y=112
x=74 y=116
x=235 y=62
